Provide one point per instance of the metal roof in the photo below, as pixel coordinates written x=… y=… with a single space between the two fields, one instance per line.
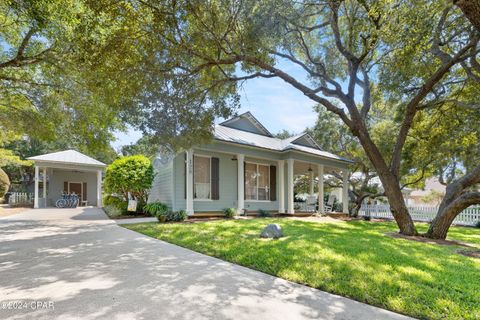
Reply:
x=68 y=157
x=227 y=134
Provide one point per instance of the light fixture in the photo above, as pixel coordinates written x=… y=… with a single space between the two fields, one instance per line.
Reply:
x=310 y=168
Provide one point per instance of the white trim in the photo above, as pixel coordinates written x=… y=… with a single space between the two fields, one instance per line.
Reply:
x=257 y=187
x=345 y=192
x=321 y=193
x=281 y=186
x=189 y=182
x=240 y=183
x=258 y=200
x=290 y=177
x=44 y=185
x=200 y=200
x=35 y=199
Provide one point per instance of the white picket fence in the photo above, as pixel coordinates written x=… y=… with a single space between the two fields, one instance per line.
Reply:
x=469 y=216
x=20 y=198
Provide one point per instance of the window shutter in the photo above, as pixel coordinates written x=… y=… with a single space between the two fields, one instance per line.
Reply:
x=215 y=181
x=84 y=195
x=65 y=186
x=273 y=183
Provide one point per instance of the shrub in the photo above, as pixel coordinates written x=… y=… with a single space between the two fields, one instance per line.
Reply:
x=112 y=211
x=132 y=174
x=155 y=208
x=117 y=202
x=264 y=213
x=337 y=207
x=229 y=212
x=4 y=183
x=477 y=225
x=366 y=218
x=177 y=215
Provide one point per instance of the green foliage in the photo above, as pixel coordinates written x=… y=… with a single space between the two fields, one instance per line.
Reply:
x=132 y=174
x=177 y=216
x=145 y=146
x=155 y=209
x=4 y=183
x=354 y=259
x=113 y=211
x=229 y=212
x=477 y=225
x=264 y=213
x=117 y=202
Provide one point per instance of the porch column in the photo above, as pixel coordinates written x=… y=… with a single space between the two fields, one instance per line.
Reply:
x=99 y=188
x=281 y=186
x=290 y=208
x=35 y=196
x=45 y=185
x=345 y=191
x=321 y=195
x=189 y=182
x=240 y=183
x=311 y=183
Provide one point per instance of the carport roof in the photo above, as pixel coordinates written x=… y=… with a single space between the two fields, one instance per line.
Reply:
x=68 y=157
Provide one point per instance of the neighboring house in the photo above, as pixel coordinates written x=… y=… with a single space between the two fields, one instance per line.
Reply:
x=431 y=195
x=244 y=167
x=67 y=171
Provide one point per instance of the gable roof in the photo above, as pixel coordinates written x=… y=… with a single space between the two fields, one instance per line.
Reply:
x=68 y=157
x=303 y=139
x=232 y=135
x=247 y=122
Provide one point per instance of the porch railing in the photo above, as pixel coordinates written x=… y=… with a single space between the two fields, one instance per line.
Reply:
x=469 y=216
x=20 y=198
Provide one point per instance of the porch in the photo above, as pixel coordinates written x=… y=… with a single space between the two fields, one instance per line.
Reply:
x=251 y=183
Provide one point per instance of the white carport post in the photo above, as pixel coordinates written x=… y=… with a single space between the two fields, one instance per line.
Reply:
x=321 y=206
x=345 y=191
x=99 y=188
x=35 y=199
x=240 y=183
x=281 y=186
x=45 y=185
x=290 y=208
x=189 y=182
x=312 y=183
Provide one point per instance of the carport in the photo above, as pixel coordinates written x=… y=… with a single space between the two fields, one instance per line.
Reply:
x=67 y=171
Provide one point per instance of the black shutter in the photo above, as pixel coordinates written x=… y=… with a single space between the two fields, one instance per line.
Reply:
x=84 y=194
x=273 y=183
x=215 y=183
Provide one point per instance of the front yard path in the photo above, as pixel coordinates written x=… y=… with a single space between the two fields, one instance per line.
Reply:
x=93 y=269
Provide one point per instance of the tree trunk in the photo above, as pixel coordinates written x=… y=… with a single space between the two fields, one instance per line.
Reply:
x=471 y=9
x=449 y=209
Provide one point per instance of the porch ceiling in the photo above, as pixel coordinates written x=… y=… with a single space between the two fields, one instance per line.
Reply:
x=301 y=168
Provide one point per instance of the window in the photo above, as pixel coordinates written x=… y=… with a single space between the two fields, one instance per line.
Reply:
x=201 y=177
x=257 y=181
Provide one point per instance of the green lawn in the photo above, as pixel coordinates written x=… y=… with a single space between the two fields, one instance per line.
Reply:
x=353 y=259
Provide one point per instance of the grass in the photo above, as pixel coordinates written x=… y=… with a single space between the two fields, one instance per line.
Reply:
x=353 y=259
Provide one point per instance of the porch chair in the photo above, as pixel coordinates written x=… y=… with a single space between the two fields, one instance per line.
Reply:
x=330 y=202
x=311 y=203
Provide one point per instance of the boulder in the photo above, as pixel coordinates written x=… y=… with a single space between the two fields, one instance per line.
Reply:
x=272 y=231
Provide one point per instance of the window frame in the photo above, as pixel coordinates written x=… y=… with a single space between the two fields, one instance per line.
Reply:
x=257 y=164
x=210 y=178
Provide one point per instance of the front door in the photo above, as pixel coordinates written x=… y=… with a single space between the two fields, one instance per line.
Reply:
x=75 y=187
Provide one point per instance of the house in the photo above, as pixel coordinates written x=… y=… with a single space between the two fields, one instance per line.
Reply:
x=430 y=196
x=67 y=171
x=244 y=167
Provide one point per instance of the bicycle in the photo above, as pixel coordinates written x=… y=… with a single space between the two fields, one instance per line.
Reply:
x=68 y=200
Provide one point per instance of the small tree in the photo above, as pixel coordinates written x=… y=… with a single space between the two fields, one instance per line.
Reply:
x=132 y=174
x=4 y=183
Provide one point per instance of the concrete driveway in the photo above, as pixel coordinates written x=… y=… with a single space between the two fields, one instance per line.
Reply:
x=75 y=263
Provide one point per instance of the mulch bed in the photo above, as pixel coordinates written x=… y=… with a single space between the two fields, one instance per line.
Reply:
x=427 y=240
x=470 y=253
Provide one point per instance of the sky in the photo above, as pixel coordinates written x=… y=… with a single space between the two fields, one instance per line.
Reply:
x=276 y=104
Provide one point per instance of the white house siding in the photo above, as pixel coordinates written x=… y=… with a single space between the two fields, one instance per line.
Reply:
x=162 y=187
x=58 y=177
